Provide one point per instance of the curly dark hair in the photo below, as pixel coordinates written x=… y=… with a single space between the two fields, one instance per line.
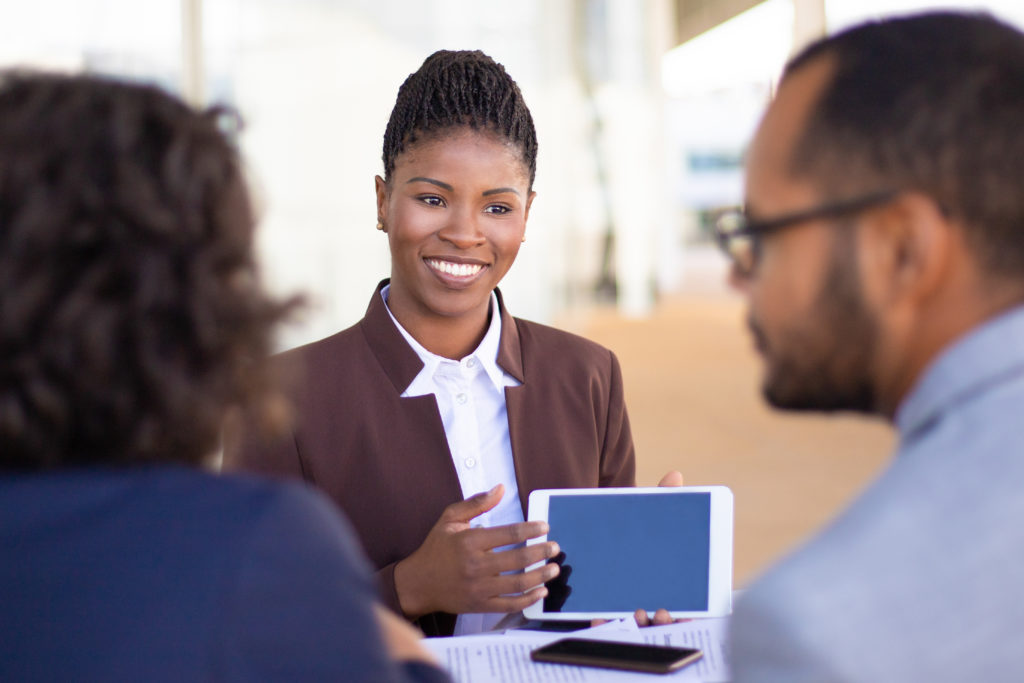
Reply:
x=931 y=102
x=454 y=89
x=131 y=314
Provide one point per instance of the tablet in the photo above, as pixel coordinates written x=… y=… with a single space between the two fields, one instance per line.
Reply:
x=630 y=548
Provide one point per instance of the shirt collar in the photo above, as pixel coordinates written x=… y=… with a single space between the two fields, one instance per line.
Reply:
x=972 y=364
x=486 y=352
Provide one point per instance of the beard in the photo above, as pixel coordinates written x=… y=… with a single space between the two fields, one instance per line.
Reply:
x=823 y=361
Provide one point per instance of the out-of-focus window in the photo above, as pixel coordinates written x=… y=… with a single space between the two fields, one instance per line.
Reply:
x=140 y=40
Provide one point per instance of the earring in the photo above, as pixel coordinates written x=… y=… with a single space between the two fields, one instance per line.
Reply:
x=524 y=238
x=380 y=226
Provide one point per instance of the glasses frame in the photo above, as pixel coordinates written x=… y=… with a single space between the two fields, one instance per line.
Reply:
x=725 y=237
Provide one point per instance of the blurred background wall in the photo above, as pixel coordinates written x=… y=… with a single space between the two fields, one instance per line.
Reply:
x=643 y=111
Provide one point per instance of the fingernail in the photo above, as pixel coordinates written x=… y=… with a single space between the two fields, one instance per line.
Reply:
x=553 y=549
x=551 y=571
x=543 y=527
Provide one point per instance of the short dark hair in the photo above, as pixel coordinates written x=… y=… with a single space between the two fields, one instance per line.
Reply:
x=132 y=314
x=454 y=89
x=934 y=103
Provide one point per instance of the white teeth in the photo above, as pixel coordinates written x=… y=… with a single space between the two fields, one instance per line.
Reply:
x=455 y=269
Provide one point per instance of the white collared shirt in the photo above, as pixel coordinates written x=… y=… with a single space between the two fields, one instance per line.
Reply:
x=470 y=395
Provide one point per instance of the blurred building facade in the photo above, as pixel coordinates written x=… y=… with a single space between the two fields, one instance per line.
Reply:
x=643 y=109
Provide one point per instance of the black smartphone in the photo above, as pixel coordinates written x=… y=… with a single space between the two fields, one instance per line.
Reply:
x=630 y=656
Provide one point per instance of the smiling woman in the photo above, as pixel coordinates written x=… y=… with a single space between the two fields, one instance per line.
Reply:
x=455 y=212
x=431 y=420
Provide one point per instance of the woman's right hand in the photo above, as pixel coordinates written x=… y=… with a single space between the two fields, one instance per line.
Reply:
x=458 y=570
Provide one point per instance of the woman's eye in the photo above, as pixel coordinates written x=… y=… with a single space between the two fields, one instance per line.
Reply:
x=497 y=209
x=432 y=200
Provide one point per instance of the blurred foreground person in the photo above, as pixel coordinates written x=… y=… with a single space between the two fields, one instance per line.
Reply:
x=882 y=257
x=131 y=319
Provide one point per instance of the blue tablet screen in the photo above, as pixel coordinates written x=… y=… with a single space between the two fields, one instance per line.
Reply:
x=629 y=551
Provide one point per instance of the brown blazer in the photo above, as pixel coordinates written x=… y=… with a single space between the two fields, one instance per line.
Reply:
x=384 y=459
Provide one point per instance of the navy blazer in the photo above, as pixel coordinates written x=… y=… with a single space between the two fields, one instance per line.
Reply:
x=385 y=460
x=166 y=573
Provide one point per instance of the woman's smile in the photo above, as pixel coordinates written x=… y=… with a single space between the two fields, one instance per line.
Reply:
x=454 y=272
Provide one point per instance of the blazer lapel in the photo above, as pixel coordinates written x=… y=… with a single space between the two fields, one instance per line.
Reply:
x=397 y=359
x=510 y=353
x=525 y=411
x=401 y=364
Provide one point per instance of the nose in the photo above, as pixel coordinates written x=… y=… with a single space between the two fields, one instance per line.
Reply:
x=462 y=230
x=738 y=280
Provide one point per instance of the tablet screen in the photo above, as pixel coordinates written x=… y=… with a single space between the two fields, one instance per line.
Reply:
x=629 y=551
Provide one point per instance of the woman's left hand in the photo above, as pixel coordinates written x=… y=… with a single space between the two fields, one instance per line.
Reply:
x=661 y=618
x=672 y=478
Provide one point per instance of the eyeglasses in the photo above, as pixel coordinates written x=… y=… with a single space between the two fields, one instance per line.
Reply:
x=740 y=238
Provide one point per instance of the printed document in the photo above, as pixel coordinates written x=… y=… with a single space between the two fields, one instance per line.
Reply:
x=505 y=657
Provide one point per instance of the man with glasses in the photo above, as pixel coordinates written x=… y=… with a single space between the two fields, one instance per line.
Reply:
x=881 y=252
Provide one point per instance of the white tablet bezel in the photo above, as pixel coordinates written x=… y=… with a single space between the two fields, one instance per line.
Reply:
x=720 y=550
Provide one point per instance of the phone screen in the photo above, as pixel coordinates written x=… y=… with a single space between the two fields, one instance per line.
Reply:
x=630 y=656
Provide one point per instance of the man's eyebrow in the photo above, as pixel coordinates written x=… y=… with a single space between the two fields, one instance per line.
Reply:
x=421 y=179
x=749 y=209
x=499 y=190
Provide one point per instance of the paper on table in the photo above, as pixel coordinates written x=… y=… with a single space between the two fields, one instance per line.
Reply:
x=506 y=658
x=707 y=635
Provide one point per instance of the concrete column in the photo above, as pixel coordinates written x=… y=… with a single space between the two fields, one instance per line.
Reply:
x=192 y=77
x=632 y=103
x=808 y=22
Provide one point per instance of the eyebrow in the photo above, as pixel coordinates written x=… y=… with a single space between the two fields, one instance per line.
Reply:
x=500 y=190
x=749 y=209
x=449 y=188
x=420 y=179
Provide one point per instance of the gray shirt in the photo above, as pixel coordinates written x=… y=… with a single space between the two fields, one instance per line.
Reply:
x=922 y=578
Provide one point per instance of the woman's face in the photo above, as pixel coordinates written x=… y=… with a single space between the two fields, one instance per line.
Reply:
x=455 y=214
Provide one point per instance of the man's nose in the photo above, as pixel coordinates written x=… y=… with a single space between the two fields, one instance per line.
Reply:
x=738 y=279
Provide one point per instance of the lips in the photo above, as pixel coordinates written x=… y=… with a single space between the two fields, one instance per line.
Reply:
x=454 y=269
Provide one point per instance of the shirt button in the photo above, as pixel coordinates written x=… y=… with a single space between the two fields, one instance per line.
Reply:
x=471 y=363
x=461 y=398
x=470 y=462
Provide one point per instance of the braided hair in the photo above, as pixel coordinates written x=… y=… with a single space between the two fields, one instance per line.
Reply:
x=454 y=89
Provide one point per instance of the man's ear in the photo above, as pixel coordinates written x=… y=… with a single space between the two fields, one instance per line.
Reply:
x=908 y=246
